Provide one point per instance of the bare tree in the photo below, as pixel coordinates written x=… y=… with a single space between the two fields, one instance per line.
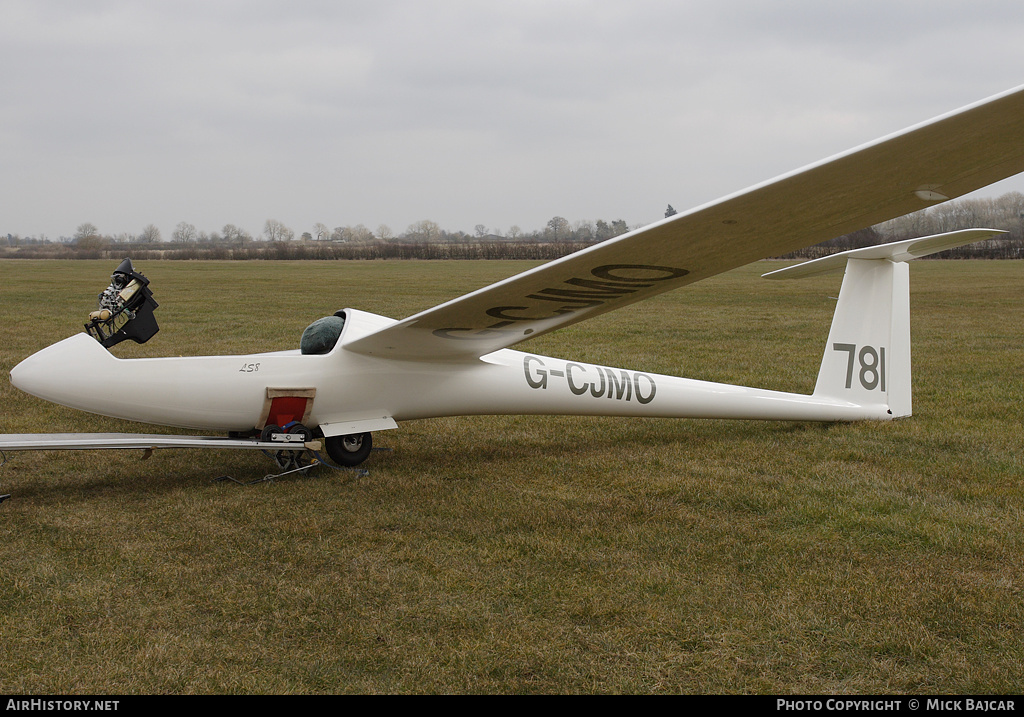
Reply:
x=320 y=231
x=424 y=230
x=274 y=230
x=583 y=230
x=358 y=233
x=235 y=235
x=85 y=231
x=150 y=235
x=558 y=228
x=184 y=233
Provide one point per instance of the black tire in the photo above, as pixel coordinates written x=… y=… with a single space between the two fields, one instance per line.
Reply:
x=349 y=450
x=307 y=435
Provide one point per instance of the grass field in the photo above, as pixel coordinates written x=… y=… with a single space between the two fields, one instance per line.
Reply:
x=529 y=554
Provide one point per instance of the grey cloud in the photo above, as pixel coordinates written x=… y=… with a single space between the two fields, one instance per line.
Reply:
x=462 y=112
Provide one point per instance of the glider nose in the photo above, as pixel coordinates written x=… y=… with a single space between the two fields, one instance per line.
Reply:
x=31 y=374
x=54 y=373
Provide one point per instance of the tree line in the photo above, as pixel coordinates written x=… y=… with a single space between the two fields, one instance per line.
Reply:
x=422 y=240
x=427 y=240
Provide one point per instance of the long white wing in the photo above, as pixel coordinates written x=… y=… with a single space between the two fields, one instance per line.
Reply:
x=904 y=172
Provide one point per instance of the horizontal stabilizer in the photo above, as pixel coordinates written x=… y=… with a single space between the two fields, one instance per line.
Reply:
x=101 y=441
x=896 y=251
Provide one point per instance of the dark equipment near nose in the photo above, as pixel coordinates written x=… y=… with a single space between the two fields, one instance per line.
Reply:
x=125 y=309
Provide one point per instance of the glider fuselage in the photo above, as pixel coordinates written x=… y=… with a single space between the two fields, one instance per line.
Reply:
x=230 y=393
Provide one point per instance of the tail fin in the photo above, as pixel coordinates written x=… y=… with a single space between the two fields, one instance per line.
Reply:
x=867 y=356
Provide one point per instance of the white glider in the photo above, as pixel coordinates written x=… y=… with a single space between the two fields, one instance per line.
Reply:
x=454 y=359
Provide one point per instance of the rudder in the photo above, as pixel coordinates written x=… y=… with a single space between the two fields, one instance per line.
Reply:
x=867 y=355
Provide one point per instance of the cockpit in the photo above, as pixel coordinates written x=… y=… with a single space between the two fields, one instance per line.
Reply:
x=321 y=336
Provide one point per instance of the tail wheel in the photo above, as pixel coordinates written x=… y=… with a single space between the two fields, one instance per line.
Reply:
x=349 y=450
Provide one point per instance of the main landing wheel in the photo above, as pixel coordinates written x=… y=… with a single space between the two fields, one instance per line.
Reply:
x=349 y=450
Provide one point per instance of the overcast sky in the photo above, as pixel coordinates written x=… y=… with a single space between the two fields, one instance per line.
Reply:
x=463 y=112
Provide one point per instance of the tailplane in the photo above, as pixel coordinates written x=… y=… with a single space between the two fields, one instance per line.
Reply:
x=867 y=356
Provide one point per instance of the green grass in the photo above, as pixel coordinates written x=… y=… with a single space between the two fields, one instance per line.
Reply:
x=531 y=554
